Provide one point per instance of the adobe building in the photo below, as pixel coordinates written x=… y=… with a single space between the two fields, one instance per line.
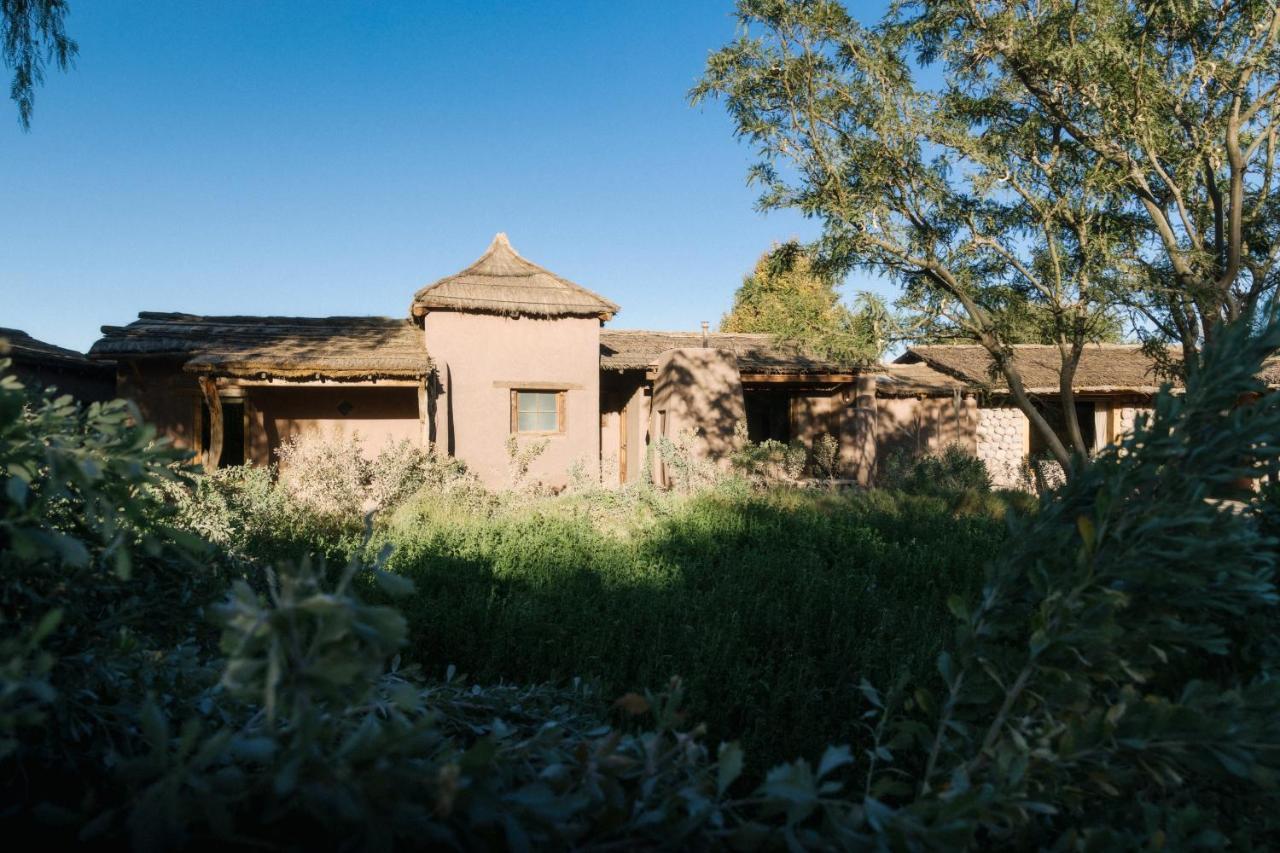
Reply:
x=506 y=348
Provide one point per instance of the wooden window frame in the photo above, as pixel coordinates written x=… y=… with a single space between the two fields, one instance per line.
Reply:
x=560 y=393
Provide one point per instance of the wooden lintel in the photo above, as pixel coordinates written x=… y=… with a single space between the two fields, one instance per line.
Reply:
x=538 y=386
x=801 y=378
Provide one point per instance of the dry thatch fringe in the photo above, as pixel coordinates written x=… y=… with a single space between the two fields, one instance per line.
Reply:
x=502 y=282
x=297 y=348
x=24 y=349
x=1103 y=368
x=636 y=349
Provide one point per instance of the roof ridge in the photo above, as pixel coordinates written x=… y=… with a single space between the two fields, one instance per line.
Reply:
x=500 y=261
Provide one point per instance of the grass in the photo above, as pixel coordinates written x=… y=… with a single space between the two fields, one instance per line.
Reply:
x=772 y=607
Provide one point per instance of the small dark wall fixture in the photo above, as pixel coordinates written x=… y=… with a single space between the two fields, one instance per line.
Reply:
x=345 y=408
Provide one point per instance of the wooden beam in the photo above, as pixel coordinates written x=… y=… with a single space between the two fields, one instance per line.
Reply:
x=538 y=386
x=212 y=453
x=327 y=383
x=803 y=378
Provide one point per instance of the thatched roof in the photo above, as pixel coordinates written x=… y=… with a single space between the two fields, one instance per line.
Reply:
x=503 y=282
x=297 y=348
x=911 y=380
x=623 y=349
x=32 y=352
x=1103 y=368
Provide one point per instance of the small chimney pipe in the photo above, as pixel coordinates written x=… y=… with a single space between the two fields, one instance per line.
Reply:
x=705 y=326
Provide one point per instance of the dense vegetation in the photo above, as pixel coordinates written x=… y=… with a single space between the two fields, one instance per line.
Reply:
x=772 y=607
x=1111 y=685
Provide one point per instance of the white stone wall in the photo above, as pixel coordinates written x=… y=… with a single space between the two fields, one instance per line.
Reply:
x=1126 y=417
x=1002 y=437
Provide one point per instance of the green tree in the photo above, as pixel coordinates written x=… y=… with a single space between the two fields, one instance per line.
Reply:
x=786 y=296
x=999 y=200
x=33 y=35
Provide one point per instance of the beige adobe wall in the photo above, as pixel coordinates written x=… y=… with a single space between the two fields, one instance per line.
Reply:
x=1004 y=439
x=922 y=425
x=482 y=357
x=847 y=413
x=167 y=397
x=380 y=416
x=814 y=414
x=700 y=390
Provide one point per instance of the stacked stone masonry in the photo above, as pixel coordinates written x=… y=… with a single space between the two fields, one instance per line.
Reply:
x=1002 y=436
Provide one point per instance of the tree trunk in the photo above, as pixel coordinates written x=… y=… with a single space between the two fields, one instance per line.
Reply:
x=1067 y=393
x=1023 y=401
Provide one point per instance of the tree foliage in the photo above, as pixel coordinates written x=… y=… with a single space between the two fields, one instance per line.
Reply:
x=1038 y=182
x=32 y=36
x=787 y=297
x=1172 y=108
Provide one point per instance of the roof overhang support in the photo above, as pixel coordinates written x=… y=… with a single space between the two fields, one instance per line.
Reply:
x=428 y=389
x=212 y=453
x=798 y=378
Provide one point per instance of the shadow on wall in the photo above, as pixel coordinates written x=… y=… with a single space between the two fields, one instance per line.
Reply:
x=922 y=426
x=699 y=390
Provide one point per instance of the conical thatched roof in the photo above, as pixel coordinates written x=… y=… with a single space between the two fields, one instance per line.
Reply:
x=502 y=282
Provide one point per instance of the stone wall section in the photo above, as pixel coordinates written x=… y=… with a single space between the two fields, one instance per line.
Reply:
x=1125 y=419
x=1002 y=436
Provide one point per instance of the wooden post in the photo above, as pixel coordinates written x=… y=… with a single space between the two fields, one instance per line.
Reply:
x=863 y=430
x=212 y=453
x=423 y=418
x=433 y=392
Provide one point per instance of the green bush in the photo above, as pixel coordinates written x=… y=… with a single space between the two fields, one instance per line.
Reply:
x=1112 y=686
x=771 y=606
x=102 y=601
x=953 y=471
x=252 y=515
x=1116 y=686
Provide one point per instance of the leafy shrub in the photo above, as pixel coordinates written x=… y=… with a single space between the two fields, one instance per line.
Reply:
x=768 y=462
x=101 y=599
x=249 y=513
x=327 y=474
x=950 y=472
x=686 y=469
x=520 y=457
x=317 y=504
x=826 y=457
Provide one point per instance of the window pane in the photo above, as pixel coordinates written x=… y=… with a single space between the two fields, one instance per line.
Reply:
x=537 y=411
x=537 y=401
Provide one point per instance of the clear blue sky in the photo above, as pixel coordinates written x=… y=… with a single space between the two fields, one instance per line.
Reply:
x=319 y=158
